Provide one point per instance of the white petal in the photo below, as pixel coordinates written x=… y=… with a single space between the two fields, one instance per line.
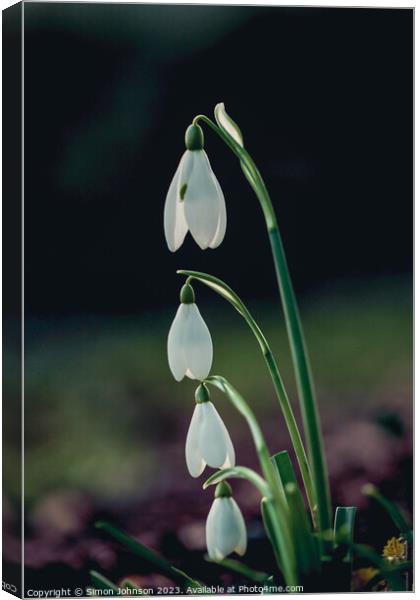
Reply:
x=240 y=548
x=174 y=222
x=176 y=336
x=224 y=528
x=230 y=457
x=185 y=172
x=214 y=437
x=211 y=533
x=195 y=462
x=221 y=227
x=198 y=347
x=202 y=201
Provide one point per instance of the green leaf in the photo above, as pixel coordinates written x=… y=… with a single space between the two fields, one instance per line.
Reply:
x=267 y=510
x=100 y=582
x=160 y=564
x=278 y=530
x=393 y=511
x=308 y=558
x=343 y=546
x=239 y=473
x=241 y=569
x=227 y=124
x=343 y=530
x=284 y=469
x=129 y=585
x=284 y=466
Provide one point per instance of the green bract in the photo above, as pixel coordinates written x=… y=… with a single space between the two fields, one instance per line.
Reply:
x=202 y=394
x=223 y=490
x=187 y=295
x=194 y=138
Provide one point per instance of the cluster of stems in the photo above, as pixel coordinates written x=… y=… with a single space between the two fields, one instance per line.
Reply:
x=311 y=460
x=315 y=477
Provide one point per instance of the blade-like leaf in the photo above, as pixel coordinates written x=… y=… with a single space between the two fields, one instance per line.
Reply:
x=343 y=549
x=393 y=511
x=284 y=466
x=160 y=564
x=129 y=585
x=268 y=526
x=100 y=582
x=284 y=470
x=308 y=559
x=241 y=569
x=343 y=530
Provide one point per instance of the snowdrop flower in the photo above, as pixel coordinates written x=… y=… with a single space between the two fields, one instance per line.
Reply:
x=208 y=441
x=194 y=201
x=190 y=349
x=225 y=526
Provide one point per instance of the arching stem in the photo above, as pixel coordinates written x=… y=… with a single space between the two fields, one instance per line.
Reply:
x=301 y=363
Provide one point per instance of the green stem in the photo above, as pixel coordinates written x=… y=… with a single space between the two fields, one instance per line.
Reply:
x=239 y=472
x=277 y=505
x=273 y=369
x=303 y=376
x=297 y=344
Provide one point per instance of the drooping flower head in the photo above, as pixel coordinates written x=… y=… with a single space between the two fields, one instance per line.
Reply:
x=194 y=201
x=190 y=348
x=208 y=440
x=225 y=526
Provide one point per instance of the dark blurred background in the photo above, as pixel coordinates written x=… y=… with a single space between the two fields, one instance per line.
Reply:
x=324 y=100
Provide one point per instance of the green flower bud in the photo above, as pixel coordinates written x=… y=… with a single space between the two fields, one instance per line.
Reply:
x=202 y=394
x=223 y=490
x=194 y=138
x=187 y=295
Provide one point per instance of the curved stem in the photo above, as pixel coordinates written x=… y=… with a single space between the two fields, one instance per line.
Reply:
x=227 y=292
x=297 y=343
x=281 y=528
x=239 y=473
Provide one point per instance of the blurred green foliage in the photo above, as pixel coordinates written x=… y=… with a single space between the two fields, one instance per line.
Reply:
x=100 y=401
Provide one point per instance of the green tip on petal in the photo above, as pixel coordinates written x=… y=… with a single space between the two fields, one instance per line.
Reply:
x=223 y=490
x=194 y=138
x=187 y=295
x=202 y=394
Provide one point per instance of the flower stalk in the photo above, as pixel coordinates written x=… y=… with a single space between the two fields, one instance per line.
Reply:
x=226 y=292
x=297 y=343
x=276 y=505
